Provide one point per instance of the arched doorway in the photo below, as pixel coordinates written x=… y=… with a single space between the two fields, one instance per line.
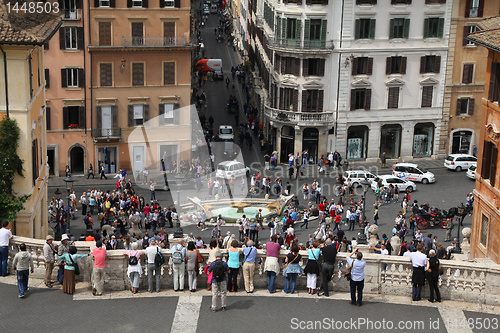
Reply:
x=287 y=143
x=76 y=158
x=390 y=140
x=310 y=143
x=461 y=142
x=423 y=139
x=357 y=141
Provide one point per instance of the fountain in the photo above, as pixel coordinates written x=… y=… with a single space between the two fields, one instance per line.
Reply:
x=240 y=206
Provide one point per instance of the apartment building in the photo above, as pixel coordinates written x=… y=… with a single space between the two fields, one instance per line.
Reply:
x=465 y=77
x=486 y=215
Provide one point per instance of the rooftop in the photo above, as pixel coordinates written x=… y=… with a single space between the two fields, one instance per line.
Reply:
x=28 y=29
x=489 y=36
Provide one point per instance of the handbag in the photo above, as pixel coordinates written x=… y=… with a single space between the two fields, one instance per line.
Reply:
x=347 y=273
x=288 y=263
x=200 y=258
x=74 y=264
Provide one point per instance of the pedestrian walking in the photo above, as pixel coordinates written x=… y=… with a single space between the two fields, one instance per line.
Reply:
x=102 y=171
x=382 y=160
x=90 y=171
x=219 y=268
x=23 y=263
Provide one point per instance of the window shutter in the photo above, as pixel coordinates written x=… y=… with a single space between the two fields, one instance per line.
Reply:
x=114 y=116
x=353 y=99
x=130 y=116
x=307 y=29
x=112 y=3
x=65 y=118
x=354 y=68
x=297 y=67
x=494 y=157
x=440 y=27
x=161 y=114
x=146 y=113
x=466 y=33
x=485 y=166
x=357 y=28
x=96 y=3
x=492 y=92
x=422 y=65
x=284 y=22
x=305 y=67
x=282 y=98
x=388 y=65
x=320 y=100
x=81 y=78
x=368 y=99
x=372 y=28
x=282 y=65
x=369 y=66
x=177 y=3
x=298 y=30
x=277 y=63
x=47 y=78
x=325 y=2
x=437 y=64
x=79 y=4
x=393 y=97
x=426 y=28
x=98 y=119
x=304 y=100
x=129 y=3
x=79 y=38
x=81 y=117
x=323 y=30
x=62 y=38
x=64 y=78
x=162 y=3
x=145 y=4
x=471 y=106
x=321 y=67
x=391 y=29
x=295 y=100
x=467 y=8
x=308 y=2
x=406 y=28
x=403 y=65
x=177 y=113
x=480 y=8
x=466 y=74
x=427 y=96
x=47 y=118
x=459 y=106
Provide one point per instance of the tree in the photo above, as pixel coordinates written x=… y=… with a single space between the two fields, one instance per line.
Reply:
x=10 y=165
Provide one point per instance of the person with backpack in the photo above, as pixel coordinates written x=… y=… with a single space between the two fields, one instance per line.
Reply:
x=179 y=264
x=134 y=270
x=218 y=268
x=153 y=265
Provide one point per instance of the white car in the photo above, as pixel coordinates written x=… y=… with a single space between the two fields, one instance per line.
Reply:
x=206 y=10
x=357 y=176
x=228 y=169
x=402 y=184
x=226 y=133
x=459 y=162
x=471 y=172
x=411 y=171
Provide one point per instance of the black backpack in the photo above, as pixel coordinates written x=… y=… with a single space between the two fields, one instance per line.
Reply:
x=132 y=260
x=159 y=258
x=218 y=271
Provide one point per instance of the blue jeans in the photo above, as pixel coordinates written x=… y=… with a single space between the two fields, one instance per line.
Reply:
x=359 y=285
x=153 y=196
x=290 y=280
x=416 y=292
x=271 y=277
x=22 y=281
x=4 y=256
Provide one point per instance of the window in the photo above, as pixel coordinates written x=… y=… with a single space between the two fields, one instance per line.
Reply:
x=168 y=73
x=103 y=3
x=72 y=77
x=430 y=64
x=73 y=117
x=468 y=73
x=288 y=99
x=315 y=30
x=399 y=28
x=138 y=114
x=167 y=3
x=314 y=67
x=291 y=29
x=168 y=113
x=312 y=2
x=494 y=90
x=427 y=92
x=395 y=65
x=47 y=78
x=71 y=38
x=362 y=65
x=433 y=27
x=366 y=2
x=465 y=106
x=484 y=230
x=137 y=74
x=34 y=160
x=69 y=8
x=393 y=98
x=365 y=29
x=474 y=8
x=104 y=33
x=136 y=3
x=106 y=73
x=468 y=29
x=429 y=2
x=47 y=118
x=397 y=2
x=489 y=163
x=137 y=33
x=292 y=65
x=169 y=30
x=312 y=100
x=361 y=98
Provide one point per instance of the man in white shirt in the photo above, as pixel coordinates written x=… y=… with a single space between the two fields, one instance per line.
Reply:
x=151 y=254
x=5 y=237
x=419 y=262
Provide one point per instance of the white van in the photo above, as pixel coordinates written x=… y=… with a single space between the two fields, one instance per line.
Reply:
x=413 y=172
x=226 y=133
x=214 y=8
x=228 y=169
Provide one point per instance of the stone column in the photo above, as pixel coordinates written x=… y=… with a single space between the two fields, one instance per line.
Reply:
x=373 y=151
x=406 y=152
x=278 y=140
x=297 y=147
x=322 y=142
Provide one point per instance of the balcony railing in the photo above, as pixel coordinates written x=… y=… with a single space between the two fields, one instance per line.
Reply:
x=71 y=14
x=301 y=44
x=154 y=41
x=107 y=133
x=474 y=12
x=300 y=118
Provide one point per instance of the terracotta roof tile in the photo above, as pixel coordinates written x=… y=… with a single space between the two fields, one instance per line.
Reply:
x=489 y=37
x=27 y=29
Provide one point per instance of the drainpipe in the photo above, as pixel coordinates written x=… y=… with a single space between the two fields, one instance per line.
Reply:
x=91 y=82
x=6 y=81
x=338 y=76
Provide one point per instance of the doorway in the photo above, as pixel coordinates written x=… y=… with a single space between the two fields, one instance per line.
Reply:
x=107 y=156
x=287 y=143
x=310 y=143
x=51 y=160
x=461 y=142
x=77 y=160
x=390 y=140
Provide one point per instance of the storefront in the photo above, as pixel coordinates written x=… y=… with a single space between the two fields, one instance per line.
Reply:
x=461 y=142
x=423 y=139
x=310 y=143
x=287 y=143
x=357 y=141
x=390 y=140
x=108 y=157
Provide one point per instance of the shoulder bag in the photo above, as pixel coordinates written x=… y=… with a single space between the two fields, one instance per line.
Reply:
x=288 y=263
x=74 y=264
x=347 y=273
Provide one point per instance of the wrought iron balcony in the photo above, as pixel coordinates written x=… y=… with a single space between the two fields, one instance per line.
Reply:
x=303 y=45
x=259 y=21
x=107 y=133
x=300 y=118
x=155 y=41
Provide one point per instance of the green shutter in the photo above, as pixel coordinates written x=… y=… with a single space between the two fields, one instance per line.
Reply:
x=307 y=29
x=357 y=28
x=372 y=28
x=426 y=28
x=323 y=30
x=283 y=28
x=391 y=29
x=406 y=29
x=278 y=28
x=440 y=27
x=298 y=30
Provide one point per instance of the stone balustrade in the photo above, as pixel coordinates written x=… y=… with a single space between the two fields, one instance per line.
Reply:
x=462 y=280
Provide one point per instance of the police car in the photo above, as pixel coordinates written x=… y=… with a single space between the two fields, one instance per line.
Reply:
x=413 y=172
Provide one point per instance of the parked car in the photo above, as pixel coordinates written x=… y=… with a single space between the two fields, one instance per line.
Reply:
x=471 y=172
x=206 y=10
x=413 y=172
x=228 y=169
x=459 y=162
x=226 y=133
x=357 y=176
x=387 y=180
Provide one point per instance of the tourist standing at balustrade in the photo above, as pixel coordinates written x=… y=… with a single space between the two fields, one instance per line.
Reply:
x=134 y=271
x=419 y=262
x=249 y=254
x=22 y=263
x=329 y=253
x=151 y=251
x=234 y=264
x=179 y=264
x=434 y=269
x=357 y=280
x=218 y=268
x=99 y=254
x=5 y=237
x=48 y=256
x=62 y=248
x=70 y=265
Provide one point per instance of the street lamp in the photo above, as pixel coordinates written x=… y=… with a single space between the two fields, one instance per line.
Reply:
x=461 y=210
x=366 y=184
x=68 y=180
x=178 y=232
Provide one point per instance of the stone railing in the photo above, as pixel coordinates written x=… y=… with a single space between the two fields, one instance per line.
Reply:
x=154 y=41
x=389 y=275
x=300 y=118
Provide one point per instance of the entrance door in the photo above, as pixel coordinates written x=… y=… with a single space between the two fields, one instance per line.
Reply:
x=287 y=143
x=461 y=142
x=310 y=143
x=138 y=164
x=51 y=157
x=390 y=140
x=107 y=156
x=106 y=120
x=76 y=159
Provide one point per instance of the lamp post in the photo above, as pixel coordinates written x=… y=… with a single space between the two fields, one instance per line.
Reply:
x=68 y=180
x=366 y=184
x=178 y=232
x=461 y=210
